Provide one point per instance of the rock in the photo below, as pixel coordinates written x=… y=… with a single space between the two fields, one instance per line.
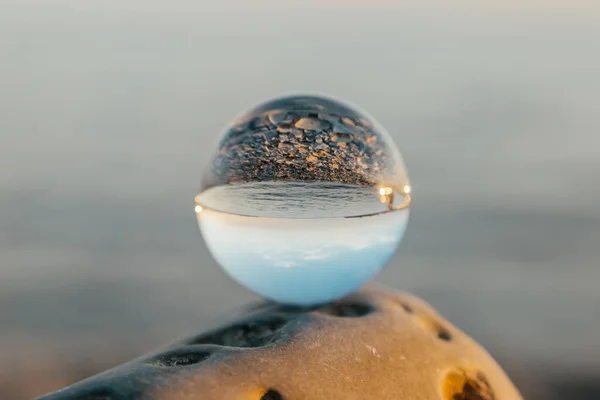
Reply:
x=374 y=344
x=312 y=124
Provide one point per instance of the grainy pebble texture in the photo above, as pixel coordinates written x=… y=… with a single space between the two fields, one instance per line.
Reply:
x=305 y=138
x=374 y=344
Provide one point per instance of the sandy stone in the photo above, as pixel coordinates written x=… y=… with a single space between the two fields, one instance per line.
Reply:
x=374 y=344
x=312 y=123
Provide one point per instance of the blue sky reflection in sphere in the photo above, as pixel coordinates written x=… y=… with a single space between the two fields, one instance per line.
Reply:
x=304 y=200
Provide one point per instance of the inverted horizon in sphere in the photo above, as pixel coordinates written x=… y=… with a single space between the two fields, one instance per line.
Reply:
x=302 y=261
x=304 y=199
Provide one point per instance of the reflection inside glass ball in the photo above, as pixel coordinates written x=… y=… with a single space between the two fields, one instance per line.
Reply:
x=304 y=200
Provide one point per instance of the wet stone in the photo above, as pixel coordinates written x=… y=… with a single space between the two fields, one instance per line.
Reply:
x=282 y=117
x=312 y=124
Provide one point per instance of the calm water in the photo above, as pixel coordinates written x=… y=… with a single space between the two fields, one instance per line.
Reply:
x=296 y=200
x=108 y=114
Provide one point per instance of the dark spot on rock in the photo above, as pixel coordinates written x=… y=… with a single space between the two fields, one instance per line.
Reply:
x=431 y=325
x=180 y=357
x=347 y=309
x=272 y=395
x=459 y=385
x=407 y=308
x=254 y=333
x=292 y=309
x=444 y=334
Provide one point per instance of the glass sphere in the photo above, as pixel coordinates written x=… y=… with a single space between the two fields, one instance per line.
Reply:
x=304 y=199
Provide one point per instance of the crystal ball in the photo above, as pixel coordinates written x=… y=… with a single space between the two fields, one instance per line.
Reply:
x=304 y=199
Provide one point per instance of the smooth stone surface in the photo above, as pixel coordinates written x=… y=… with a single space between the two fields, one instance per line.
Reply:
x=374 y=344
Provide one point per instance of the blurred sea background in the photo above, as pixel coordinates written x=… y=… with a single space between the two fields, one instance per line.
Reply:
x=109 y=110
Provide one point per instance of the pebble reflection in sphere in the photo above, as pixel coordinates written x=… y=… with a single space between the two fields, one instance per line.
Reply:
x=304 y=199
